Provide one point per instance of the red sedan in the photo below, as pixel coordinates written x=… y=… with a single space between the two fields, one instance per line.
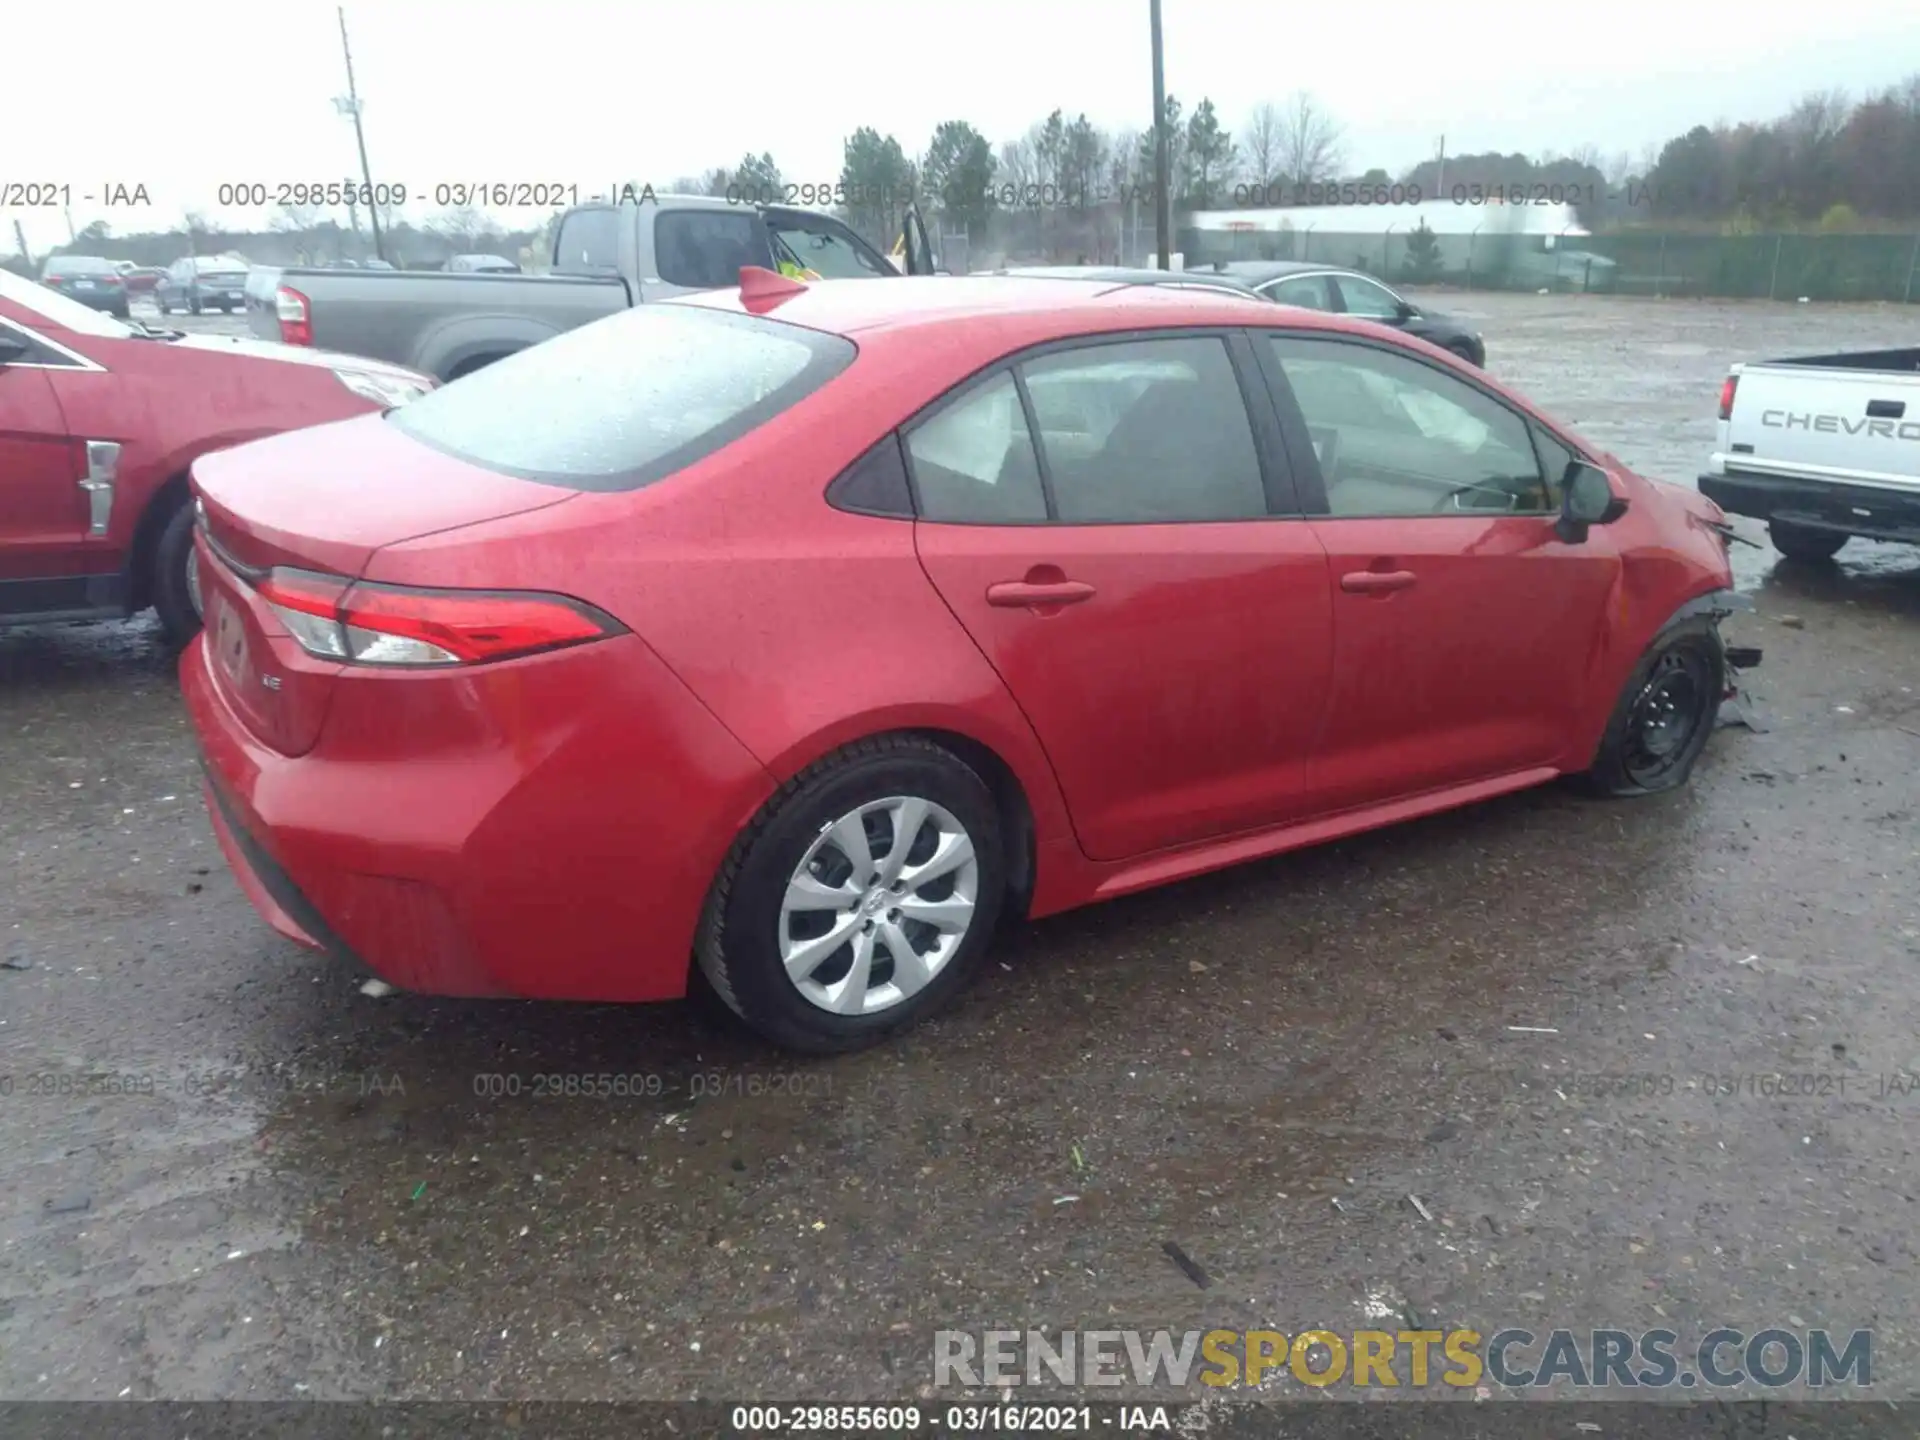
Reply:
x=100 y=419
x=800 y=632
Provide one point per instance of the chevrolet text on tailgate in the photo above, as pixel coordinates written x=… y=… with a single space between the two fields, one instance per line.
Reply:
x=1822 y=448
x=607 y=256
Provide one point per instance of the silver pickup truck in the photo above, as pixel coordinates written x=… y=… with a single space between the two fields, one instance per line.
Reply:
x=607 y=255
x=1822 y=448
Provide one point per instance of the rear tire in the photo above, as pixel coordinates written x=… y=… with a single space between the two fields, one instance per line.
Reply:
x=1665 y=715
x=172 y=590
x=788 y=887
x=1796 y=542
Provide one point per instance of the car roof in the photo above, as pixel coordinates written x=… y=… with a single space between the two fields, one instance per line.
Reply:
x=1132 y=275
x=90 y=262
x=1259 y=272
x=1017 y=309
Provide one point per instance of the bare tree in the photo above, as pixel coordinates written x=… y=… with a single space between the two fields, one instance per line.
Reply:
x=296 y=219
x=464 y=226
x=1309 y=144
x=1019 y=168
x=1260 y=138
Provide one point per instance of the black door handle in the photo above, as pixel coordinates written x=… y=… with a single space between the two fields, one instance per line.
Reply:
x=1886 y=409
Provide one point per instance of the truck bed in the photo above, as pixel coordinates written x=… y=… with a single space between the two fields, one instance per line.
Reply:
x=423 y=319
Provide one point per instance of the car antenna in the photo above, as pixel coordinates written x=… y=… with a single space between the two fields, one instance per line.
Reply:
x=762 y=289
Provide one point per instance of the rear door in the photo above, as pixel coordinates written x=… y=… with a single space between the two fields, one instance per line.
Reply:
x=1851 y=426
x=43 y=511
x=1139 y=578
x=1463 y=627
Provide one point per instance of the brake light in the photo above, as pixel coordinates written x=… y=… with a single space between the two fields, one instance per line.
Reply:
x=333 y=618
x=111 y=279
x=1727 y=387
x=290 y=308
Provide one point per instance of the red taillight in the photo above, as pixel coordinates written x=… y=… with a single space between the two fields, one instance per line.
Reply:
x=112 y=279
x=1727 y=387
x=334 y=619
x=290 y=307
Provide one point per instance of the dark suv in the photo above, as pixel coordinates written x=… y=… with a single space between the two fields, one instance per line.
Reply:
x=89 y=279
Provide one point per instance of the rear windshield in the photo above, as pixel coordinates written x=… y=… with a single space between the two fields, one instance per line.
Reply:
x=627 y=400
x=79 y=265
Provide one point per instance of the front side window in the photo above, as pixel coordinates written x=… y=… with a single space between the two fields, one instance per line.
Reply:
x=1146 y=431
x=704 y=249
x=825 y=252
x=1395 y=436
x=627 y=400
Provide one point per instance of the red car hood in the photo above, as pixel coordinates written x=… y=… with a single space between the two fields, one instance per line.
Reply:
x=327 y=497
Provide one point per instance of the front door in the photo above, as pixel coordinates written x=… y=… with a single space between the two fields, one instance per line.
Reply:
x=1133 y=580
x=1464 y=628
x=43 y=511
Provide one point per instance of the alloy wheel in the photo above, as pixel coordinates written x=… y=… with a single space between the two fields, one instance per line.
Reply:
x=879 y=905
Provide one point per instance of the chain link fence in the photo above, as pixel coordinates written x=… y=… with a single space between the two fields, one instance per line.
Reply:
x=1754 y=267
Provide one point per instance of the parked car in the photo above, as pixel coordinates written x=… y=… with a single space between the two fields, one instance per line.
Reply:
x=90 y=279
x=606 y=257
x=1348 y=292
x=139 y=279
x=99 y=421
x=1822 y=448
x=202 y=282
x=809 y=659
x=481 y=265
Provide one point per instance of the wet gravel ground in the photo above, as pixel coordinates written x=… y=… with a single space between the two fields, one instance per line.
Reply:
x=306 y=1192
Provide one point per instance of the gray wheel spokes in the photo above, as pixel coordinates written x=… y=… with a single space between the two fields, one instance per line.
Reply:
x=879 y=904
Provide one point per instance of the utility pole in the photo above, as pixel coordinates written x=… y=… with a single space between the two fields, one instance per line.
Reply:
x=1162 y=182
x=360 y=135
x=1441 y=185
x=20 y=239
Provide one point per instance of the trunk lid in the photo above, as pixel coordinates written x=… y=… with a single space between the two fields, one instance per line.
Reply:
x=322 y=499
x=325 y=498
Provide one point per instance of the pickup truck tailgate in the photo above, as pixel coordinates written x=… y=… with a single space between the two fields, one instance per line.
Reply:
x=1852 y=426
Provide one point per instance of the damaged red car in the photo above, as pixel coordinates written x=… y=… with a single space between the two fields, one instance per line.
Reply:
x=795 y=635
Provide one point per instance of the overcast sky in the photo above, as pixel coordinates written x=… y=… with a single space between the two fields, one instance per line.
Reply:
x=584 y=93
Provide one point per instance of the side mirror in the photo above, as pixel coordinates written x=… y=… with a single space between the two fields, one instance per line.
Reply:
x=1589 y=501
x=12 y=347
x=1408 y=312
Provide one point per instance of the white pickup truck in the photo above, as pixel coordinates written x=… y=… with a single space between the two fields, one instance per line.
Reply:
x=1822 y=448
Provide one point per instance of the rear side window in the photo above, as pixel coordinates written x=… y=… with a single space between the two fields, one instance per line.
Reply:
x=974 y=462
x=628 y=400
x=704 y=249
x=588 y=240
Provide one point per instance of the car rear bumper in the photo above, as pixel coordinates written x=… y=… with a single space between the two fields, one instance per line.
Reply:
x=557 y=861
x=1865 y=510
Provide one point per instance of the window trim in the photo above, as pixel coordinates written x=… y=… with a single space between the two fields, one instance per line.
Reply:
x=34 y=337
x=1278 y=477
x=1299 y=443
